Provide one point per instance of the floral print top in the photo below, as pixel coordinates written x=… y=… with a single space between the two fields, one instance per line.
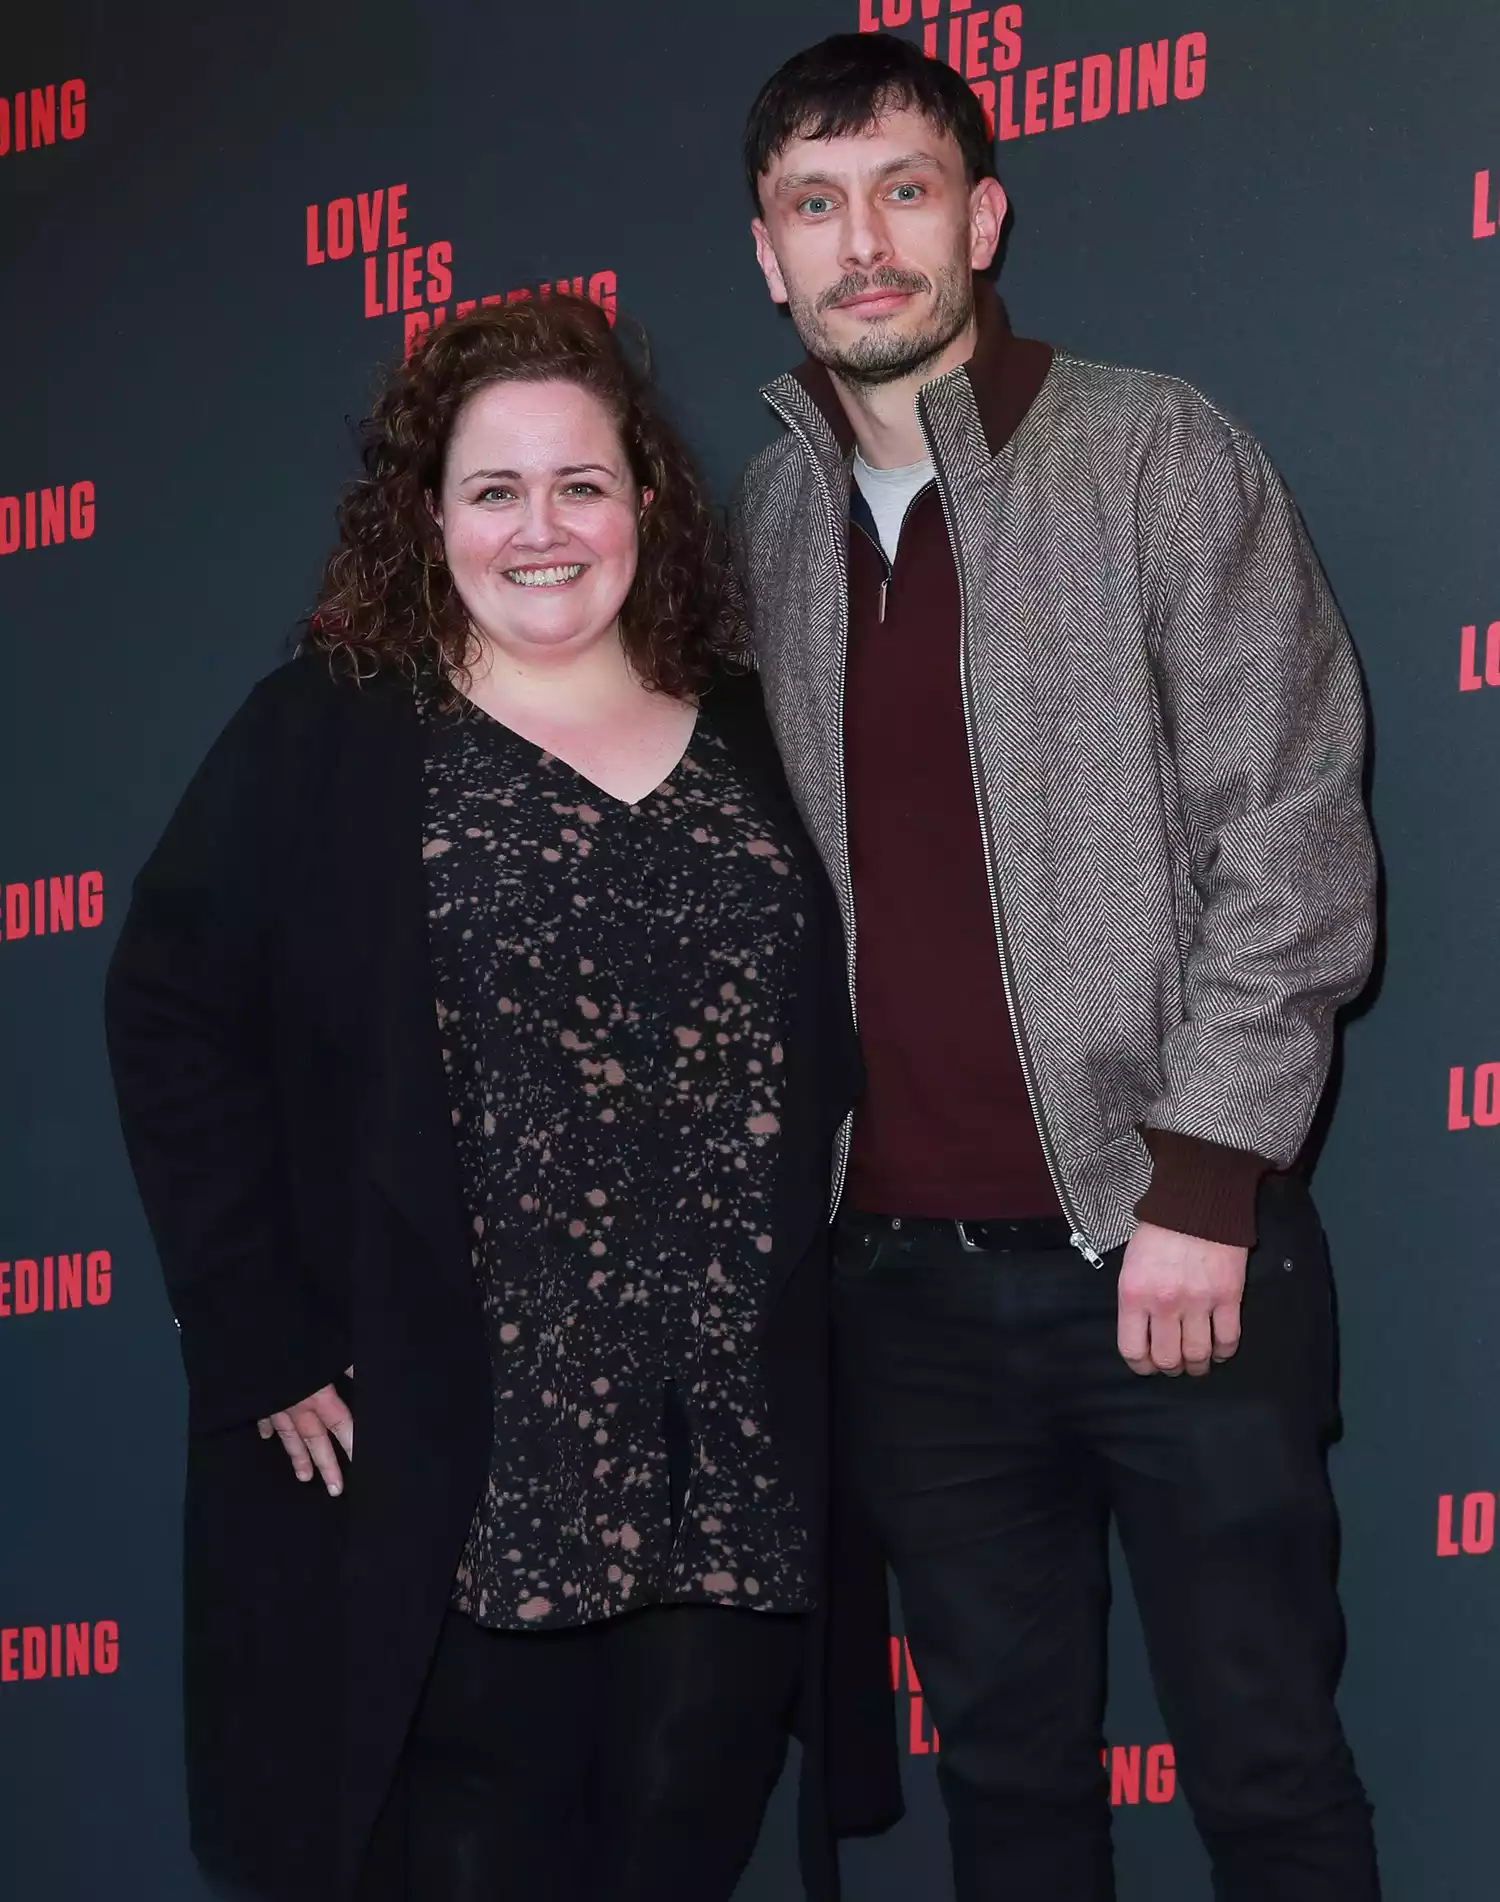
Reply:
x=611 y=990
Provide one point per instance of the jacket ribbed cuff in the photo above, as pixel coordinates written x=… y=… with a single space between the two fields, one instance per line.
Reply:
x=1201 y=1188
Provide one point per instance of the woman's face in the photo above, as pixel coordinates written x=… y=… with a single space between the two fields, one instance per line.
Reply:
x=539 y=514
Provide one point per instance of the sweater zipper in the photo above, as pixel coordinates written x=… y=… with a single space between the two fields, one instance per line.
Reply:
x=1076 y=1237
x=887 y=574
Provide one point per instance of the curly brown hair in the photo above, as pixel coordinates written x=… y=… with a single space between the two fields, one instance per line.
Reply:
x=387 y=597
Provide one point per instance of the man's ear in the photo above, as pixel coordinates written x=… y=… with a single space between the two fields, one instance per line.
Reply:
x=988 y=205
x=765 y=255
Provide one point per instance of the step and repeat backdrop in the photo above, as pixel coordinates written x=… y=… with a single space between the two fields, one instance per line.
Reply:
x=213 y=225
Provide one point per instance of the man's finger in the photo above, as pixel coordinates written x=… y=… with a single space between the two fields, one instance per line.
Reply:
x=1166 y=1343
x=264 y=1429
x=1131 y=1338
x=1226 y=1330
x=1197 y=1341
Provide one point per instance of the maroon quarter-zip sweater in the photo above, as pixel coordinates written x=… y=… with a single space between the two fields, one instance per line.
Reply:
x=946 y=1126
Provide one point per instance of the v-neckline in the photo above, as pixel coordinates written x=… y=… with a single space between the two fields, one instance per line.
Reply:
x=545 y=753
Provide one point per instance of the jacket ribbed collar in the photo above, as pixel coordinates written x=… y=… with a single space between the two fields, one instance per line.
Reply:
x=1005 y=372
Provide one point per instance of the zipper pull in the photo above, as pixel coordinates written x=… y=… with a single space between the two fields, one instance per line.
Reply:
x=1080 y=1242
x=883 y=586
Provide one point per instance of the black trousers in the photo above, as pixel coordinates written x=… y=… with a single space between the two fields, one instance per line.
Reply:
x=994 y=1430
x=629 y=1761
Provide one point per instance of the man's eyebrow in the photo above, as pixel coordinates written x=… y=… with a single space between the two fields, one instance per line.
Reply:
x=907 y=162
x=910 y=162
x=798 y=181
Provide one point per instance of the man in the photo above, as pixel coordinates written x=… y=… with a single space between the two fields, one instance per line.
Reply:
x=1071 y=713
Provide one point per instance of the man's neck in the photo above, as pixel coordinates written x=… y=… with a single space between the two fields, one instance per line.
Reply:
x=884 y=415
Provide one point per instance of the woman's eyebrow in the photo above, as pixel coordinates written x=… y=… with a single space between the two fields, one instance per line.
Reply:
x=568 y=469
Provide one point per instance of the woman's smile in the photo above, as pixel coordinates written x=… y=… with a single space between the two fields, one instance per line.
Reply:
x=557 y=576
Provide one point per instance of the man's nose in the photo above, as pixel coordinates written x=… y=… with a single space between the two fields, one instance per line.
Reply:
x=867 y=241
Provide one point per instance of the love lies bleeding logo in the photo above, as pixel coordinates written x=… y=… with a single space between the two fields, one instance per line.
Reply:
x=1486 y=207
x=985 y=45
x=38 y=116
x=90 y=1648
x=1473 y=1096
x=47 y=1284
x=1137 y=1772
x=1478 y=657
x=1465 y=1525
x=401 y=278
x=46 y=517
x=37 y=907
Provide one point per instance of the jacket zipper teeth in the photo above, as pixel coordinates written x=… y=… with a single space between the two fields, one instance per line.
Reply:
x=846 y=872
x=1076 y=1238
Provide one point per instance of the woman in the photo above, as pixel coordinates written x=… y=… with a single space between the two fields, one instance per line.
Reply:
x=479 y=1025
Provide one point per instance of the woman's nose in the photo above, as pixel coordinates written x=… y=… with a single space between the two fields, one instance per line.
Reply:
x=538 y=527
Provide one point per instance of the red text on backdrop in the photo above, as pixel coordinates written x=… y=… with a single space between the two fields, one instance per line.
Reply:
x=47 y=1284
x=40 y=907
x=39 y=116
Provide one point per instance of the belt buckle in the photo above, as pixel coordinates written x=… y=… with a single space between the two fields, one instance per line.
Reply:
x=969 y=1248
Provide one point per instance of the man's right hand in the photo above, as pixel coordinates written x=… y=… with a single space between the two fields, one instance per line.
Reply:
x=308 y=1432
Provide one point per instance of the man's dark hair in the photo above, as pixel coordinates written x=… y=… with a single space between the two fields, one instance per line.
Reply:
x=844 y=84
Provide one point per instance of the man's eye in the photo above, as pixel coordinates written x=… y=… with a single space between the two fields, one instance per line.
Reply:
x=908 y=194
x=817 y=205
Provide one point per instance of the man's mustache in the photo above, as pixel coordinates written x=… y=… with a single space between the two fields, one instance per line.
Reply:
x=857 y=283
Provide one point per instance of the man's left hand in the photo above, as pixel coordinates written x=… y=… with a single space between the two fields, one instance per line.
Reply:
x=1179 y=1301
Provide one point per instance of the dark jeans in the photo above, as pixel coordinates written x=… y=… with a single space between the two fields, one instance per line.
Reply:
x=993 y=1431
x=629 y=1761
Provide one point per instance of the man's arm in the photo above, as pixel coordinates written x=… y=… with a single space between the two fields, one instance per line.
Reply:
x=1264 y=719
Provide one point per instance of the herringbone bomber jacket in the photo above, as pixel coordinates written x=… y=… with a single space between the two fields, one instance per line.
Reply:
x=1166 y=732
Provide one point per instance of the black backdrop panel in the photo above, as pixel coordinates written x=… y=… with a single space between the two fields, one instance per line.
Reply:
x=210 y=222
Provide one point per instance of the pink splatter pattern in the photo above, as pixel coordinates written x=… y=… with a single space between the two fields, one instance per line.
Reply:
x=615 y=981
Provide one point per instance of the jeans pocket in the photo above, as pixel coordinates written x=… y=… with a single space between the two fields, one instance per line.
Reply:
x=857 y=1250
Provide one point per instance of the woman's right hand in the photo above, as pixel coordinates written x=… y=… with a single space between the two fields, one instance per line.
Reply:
x=308 y=1432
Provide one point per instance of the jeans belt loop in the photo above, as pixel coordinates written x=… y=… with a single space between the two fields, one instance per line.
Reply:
x=969 y=1248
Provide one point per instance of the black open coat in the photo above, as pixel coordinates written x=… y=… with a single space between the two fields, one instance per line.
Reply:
x=270 y=1011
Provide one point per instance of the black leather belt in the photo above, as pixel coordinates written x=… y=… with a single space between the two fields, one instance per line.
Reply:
x=974 y=1238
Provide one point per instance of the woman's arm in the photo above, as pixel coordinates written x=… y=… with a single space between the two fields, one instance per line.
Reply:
x=190 y=1047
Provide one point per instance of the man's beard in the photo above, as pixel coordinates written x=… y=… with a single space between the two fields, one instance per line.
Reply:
x=884 y=355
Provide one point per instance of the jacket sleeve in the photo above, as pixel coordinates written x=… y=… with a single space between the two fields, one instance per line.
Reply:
x=186 y=1022
x=1263 y=716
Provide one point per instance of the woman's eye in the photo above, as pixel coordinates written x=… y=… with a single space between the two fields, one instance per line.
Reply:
x=582 y=488
x=494 y=495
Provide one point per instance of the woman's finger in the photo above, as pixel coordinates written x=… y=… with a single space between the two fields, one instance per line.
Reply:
x=291 y=1439
x=331 y=1412
x=320 y=1448
x=264 y=1429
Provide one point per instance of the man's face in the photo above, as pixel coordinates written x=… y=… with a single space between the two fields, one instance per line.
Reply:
x=872 y=239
